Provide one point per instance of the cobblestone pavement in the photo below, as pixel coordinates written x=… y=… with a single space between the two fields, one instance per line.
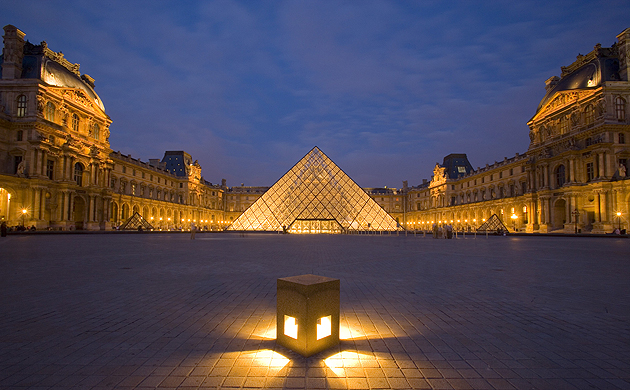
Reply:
x=146 y=311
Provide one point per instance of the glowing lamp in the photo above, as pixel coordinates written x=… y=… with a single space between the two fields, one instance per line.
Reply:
x=307 y=313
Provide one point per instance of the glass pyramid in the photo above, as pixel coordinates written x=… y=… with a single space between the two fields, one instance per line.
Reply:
x=315 y=196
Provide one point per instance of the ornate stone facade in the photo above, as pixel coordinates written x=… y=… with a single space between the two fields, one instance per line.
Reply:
x=57 y=169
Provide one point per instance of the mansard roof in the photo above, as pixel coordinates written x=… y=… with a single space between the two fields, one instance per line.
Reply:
x=587 y=72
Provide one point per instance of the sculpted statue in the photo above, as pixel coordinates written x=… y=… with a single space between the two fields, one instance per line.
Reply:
x=622 y=170
x=21 y=169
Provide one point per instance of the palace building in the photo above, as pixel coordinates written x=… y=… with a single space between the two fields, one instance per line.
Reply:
x=58 y=171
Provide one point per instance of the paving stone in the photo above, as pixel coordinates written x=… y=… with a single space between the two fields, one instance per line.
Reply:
x=136 y=311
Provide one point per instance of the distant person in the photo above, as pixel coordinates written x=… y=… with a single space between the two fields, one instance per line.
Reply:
x=193 y=230
x=3 y=229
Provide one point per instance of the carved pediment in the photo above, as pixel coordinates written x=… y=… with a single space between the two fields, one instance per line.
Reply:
x=439 y=175
x=78 y=96
x=562 y=100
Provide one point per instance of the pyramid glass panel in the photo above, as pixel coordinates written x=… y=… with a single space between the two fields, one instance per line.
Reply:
x=315 y=196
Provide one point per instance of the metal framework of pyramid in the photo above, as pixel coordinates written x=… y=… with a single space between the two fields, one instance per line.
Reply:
x=493 y=224
x=315 y=196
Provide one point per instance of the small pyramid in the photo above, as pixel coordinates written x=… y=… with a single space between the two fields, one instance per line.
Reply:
x=492 y=225
x=315 y=196
x=135 y=221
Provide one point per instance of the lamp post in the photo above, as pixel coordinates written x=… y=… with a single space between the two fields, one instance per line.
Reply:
x=514 y=218
x=576 y=215
x=619 y=220
x=24 y=211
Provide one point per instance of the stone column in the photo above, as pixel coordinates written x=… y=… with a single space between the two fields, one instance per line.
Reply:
x=35 y=204
x=602 y=166
x=603 y=206
x=572 y=175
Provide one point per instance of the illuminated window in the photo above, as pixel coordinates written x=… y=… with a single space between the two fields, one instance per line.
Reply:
x=75 y=122
x=291 y=326
x=620 y=108
x=50 y=112
x=78 y=174
x=21 y=106
x=324 y=327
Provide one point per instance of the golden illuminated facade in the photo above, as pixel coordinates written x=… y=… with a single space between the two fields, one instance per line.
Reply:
x=574 y=175
x=57 y=169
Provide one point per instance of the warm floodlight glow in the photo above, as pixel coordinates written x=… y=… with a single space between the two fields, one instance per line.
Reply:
x=338 y=362
x=324 y=327
x=619 y=213
x=24 y=211
x=290 y=326
x=272 y=359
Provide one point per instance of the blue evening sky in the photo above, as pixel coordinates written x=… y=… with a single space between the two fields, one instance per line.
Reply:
x=385 y=88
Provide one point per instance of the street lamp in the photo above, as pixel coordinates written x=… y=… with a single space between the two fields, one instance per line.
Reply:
x=619 y=220
x=576 y=215
x=514 y=217
x=24 y=211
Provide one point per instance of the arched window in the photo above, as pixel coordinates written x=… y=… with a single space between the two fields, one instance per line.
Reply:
x=78 y=174
x=560 y=176
x=75 y=122
x=589 y=115
x=96 y=131
x=620 y=108
x=21 y=106
x=50 y=112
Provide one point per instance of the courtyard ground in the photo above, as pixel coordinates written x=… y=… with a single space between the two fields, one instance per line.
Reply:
x=146 y=311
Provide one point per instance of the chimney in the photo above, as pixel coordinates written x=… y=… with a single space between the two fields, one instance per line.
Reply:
x=624 y=54
x=13 y=52
x=551 y=82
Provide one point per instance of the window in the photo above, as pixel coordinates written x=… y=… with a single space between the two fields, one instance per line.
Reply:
x=75 y=122
x=620 y=109
x=143 y=175
x=512 y=192
x=16 y=163
x=124 y=169
x=50 y=169
x=590 y=171
x=560 y=176
x=622 y=138
x=20 y=135
x=181 y=185
x=21 y=106
x=96 y=131
x=564 y=125
x=50 y=112
x=589 y=115
x=78 y=174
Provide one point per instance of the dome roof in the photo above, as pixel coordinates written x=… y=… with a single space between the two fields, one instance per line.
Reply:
x=57 y=75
